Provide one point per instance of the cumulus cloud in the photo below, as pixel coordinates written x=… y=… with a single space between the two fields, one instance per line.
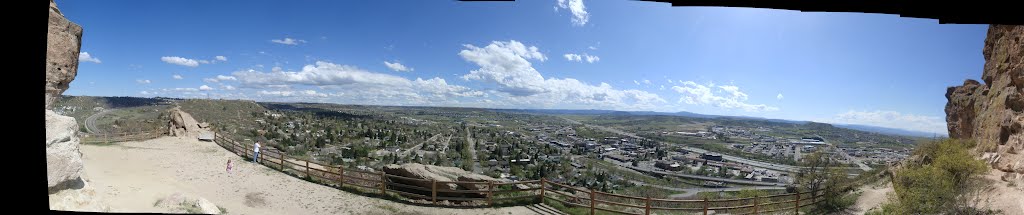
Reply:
x=647 y=81
x=221 y=58
x=85 y=57
x=779 y=97
x=693 y=93
x=893 y=119
x=592 y=47
x=581 y=57
x=398 y=67
x=143 y=81
x=177 y=77
x=226 y=78
x=180 y=61
x=204 y=61
x=636 y=82
x=320 y=74
x=507 y=65
x=671 y=82
x=229 y=87
x=289 y=93
x=573 y=57
x=205 y=88
x=288 y=41
x=580 y=16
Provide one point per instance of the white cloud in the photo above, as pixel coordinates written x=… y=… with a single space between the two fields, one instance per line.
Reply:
x=671 y=82
x=144 y=92
x=205 y=88
x=694 y=93
x=647 y=81
x=636 y=82
x=506 y=65
x=204 y=61
x=779 y=97
x=143 y=81
x=288 y=41
x=229 y=87
x=321 y=74
x=581 y=58
x=573 y=57
x=184 y=89
x=85 y=57
x=221 y=58
x=177 y=77
x=893 y=119
x=580 y=16
x=662 y=87
x=220 y=78
x=592 y=47
x=398 y=67
x=291 y=93
x=180 y=61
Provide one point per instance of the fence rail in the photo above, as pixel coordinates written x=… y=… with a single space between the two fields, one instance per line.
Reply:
x=484 y=192
x=121 y=136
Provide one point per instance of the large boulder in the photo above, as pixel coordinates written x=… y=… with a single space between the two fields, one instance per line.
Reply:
x=182 y=124
x=428 y=173
x=184 y=203
x=992 y=113
x=63 y=160
x=63 y=41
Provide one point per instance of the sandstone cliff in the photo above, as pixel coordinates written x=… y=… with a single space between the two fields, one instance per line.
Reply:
x=66 y=184
x=992 y=113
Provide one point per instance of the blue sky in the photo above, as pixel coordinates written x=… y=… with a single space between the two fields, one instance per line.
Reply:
x=854 y=68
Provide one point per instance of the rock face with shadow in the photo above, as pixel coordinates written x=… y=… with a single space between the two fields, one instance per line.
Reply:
x=991 y=113
x=68 y=189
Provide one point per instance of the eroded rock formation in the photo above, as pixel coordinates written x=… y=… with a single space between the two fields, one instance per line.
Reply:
x=182 y=124
x=991 y=113
x=63 y=41
x=438 y=173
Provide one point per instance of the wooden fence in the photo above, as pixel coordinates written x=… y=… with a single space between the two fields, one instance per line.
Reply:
x=491 y=193
x=122 y=136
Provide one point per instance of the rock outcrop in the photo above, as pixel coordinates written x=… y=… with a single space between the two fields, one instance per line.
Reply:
x=63 y=160
x=992 y=113
x=182 y=203
x=63 y=41
x=428 y=173
x=182 y=124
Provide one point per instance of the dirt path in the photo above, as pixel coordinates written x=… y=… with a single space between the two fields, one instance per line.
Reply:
x=871 y=197
x=131 y=176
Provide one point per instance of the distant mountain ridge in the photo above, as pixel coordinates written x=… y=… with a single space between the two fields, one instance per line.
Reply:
x=865 y=128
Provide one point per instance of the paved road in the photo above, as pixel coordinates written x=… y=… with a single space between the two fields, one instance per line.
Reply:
x=472 y=151
x=858 y=161
x=652 y=170
x=90 y=122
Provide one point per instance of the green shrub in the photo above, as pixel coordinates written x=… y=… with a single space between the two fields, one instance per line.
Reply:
x=944 y=179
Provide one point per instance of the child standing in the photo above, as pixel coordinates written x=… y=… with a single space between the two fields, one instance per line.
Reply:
x=229 y=166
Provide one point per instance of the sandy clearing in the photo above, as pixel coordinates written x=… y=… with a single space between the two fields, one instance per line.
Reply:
x=1001 y=196
x=131 y=176
x=871 y=197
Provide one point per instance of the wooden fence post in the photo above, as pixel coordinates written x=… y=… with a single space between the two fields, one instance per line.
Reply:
x=307 y=169
x=755 y=204
x=280 y=158
x=542 y=182
x=490 y=192
x=341 y=175
x=797 y=202
x=433 y=191
x=705 y=205
x=647 y=209
x=592 y=202
x=383 y=183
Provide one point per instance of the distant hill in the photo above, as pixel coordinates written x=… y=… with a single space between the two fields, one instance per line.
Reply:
x=889 y=131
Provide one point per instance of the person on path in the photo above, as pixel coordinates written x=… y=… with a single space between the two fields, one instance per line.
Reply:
x=256 y=153
x=229 y=166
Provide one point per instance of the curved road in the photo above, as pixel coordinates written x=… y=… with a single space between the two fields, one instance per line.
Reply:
x=90 y=122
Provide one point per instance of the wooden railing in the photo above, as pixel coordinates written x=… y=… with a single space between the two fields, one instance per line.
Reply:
x=491 y=193
x=122 y=136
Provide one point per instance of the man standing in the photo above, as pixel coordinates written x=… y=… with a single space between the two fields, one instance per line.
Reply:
x=256 y=152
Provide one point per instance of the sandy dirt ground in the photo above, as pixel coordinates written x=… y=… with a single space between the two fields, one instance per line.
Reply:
x=871 y=197
x=132 y=176
x=1003 y=196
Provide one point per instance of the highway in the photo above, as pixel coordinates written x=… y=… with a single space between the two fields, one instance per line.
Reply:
x=90 y=122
